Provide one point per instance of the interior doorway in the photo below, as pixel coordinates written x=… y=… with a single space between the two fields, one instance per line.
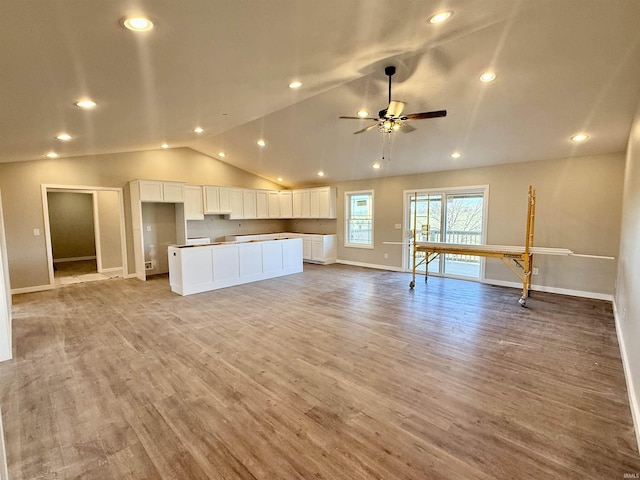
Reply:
x=84 y=232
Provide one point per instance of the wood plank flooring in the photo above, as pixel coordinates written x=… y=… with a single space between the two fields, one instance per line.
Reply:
x=335 y=373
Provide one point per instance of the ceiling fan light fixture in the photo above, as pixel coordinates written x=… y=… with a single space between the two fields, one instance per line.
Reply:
x=440 y=16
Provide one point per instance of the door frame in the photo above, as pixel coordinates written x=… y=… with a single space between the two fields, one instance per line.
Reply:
x=46 y=188
x=406 y=221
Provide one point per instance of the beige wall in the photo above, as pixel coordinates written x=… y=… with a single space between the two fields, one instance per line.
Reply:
x=627 y=298
x=110 y=229
x=71 y=225
x=579 y=204
x=20 y=184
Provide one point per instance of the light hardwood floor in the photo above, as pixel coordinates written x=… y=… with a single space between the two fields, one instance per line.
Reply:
x=336 y=373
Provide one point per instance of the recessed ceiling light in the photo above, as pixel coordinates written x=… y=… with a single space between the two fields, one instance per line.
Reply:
x=456 y=155
x=52 y=155
x=376 y=165
x=440 y=16
x=261 y=143
x=487 y=77
x=321 y=173
x=138 y=24
x=198 y=129
x=295 y=84
x=164 y=145
x=86 y=104
x=65 y=137
x=580 y=137
x=222 y=154
x=363 y=114
x=279 y=179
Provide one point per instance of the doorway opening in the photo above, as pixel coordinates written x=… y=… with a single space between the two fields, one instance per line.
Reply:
x=84 y=228
x=452 y=215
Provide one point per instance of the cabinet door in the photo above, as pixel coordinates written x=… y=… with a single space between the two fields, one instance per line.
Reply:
x=193 y=203
x=324 y=203
x=236 y=203
x=286 y=204
x=314 y=203
x=225 y=199
x=317 y=249
x=262 y=204
x=150 y=191
x=173 y=192
x=274 y=204
x=306 y=248
x=304 y=204
x=211 y=199
x=249 y=204
x=297 y=204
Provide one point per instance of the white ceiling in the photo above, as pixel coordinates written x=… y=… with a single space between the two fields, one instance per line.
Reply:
x=562 y=67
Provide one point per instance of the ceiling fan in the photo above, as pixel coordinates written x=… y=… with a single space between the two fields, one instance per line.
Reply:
x=390 y=119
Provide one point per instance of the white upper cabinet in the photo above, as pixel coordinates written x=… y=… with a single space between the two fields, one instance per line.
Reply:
x=286 y=204
x=211 y=199
x=262 y=204
x=158 y=191
x=274 y=204
x=249 y=204
x=193 y=203
x=236 y=202
x=225 y=200
x=314 y=203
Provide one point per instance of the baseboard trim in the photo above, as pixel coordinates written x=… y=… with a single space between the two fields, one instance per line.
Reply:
x=560 y=291
x=370 y=265
x=37 y=288
x=633 y=401
x=73 y=259
x=130 y=275
x=114 y=269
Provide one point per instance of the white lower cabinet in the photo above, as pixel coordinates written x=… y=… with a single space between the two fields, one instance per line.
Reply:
x=195 y=269
x=316 y=248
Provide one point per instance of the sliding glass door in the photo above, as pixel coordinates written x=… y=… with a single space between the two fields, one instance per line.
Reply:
x=450 y=216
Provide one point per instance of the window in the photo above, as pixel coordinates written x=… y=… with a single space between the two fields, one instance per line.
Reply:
x=359 y=219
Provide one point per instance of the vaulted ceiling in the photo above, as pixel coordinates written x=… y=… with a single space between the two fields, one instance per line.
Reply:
x=562 y=67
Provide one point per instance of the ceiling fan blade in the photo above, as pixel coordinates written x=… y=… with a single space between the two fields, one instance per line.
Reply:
x=420 y=116
x=370 y=127
x=406 y=128
x=360 y=118
x=395 y=109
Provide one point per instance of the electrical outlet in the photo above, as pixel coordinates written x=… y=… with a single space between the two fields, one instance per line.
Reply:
x=148 y=228
x=535 y=271
x=148 y=265
x=398 y=226
x=36 y=232
x=386 y=255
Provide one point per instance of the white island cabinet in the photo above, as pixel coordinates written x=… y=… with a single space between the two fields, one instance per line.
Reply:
x=200 y=268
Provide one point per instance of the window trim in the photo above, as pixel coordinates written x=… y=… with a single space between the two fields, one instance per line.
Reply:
x=347 y=216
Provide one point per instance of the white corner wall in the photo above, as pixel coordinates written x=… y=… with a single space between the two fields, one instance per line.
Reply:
x=5 y=296
x=626 y=298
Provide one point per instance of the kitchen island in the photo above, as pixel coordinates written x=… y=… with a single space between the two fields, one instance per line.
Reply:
x=200 y=268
